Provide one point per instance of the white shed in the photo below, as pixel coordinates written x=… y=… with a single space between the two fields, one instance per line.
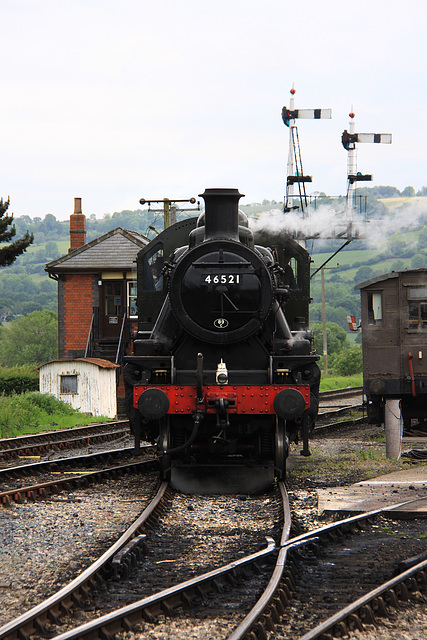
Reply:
x=87 y=384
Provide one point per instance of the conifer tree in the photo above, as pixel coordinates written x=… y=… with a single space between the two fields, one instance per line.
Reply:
x=12 y=250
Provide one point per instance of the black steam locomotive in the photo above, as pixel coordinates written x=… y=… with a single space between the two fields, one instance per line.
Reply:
x=219 y=378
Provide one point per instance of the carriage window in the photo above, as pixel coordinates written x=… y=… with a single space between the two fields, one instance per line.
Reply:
x=417 y=314
x=131 y=299
x=417 y=307
x=415 y=293
x=153 y=265
x=375 y=308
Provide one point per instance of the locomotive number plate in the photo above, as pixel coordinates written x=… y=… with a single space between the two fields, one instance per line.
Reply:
x=223 y=278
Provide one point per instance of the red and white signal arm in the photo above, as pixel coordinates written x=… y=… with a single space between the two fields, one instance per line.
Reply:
x=352 y=323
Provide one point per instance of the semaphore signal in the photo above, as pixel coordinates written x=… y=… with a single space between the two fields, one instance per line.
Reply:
x=349 y=140
x=295 y=172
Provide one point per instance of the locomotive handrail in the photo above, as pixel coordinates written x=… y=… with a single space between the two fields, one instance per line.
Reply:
x=120 y=346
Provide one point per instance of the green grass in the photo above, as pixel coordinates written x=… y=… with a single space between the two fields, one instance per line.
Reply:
x=33 y=412
x=344 y=258
x=331 y=382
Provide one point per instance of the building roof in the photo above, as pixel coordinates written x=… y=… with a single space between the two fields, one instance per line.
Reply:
x=386 y=276
x=99 y=362
x=116 y=249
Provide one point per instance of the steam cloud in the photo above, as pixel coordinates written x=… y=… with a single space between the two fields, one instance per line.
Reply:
x=325 y=222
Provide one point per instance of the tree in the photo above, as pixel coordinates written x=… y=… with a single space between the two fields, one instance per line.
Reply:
x=9 y=253
x=363 y=273
x=418 y=261
x=408 y=192
x=397 y=265
x=348 y=362
x=336 y=338
x=32 y=339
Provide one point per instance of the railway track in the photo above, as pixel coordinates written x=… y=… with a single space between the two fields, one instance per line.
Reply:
x=310 y=583
x=48 y=488
x=116 y=564
x=355 y=578
x=41 y=443
x=334 y=406
x=176 y=608
x=339 y=394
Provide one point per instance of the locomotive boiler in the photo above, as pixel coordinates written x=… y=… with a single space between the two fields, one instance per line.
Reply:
x=218 y=378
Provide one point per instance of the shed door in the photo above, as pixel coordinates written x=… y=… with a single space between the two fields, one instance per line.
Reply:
x=111 y=308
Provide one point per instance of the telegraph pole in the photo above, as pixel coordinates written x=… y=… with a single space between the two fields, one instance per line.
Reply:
x=325 y=337
x=325 y=340
x=169 y=208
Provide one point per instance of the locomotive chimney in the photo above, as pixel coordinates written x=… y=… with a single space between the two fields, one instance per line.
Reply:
x=77 y=226
x=221 y=213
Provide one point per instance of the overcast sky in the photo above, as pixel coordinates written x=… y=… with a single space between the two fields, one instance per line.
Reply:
x=114 y=100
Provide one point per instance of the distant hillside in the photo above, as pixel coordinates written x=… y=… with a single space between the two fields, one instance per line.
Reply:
x=396 y=238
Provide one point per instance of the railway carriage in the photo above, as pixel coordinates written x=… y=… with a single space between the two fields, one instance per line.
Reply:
x=223 y=374
x=394 y=340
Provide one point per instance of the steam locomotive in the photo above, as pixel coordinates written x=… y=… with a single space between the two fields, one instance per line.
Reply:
x=218 y=377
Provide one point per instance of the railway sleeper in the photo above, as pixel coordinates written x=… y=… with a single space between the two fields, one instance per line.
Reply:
x=187 y=600
x=391 y=599
x=274 y=614
x=260 y=632
x=53 y=618
x=127 y=625
x=40 y=626
x=283 y=595
x=367 y=615
x=340 y=629
x=268 y=622
x=104 y=634
x=279 y=606
x=379 y=607
x=167 y=609
x=354 y=622
x=147 y=616
x=24 y=633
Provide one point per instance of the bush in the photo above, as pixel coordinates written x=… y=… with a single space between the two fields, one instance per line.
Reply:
x=348 y=362
x=18 y=380
x=48 y=403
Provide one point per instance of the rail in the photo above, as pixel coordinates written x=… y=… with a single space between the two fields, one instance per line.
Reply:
x=34 y=620
x=181 y=595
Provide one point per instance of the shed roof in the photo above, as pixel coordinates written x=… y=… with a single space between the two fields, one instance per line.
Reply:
x=386 y=276
x=116 y=249
x=99 y=362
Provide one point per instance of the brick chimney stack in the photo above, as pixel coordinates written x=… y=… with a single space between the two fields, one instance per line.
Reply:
x=77 y=226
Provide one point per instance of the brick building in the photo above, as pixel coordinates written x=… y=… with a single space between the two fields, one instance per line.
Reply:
x=96 y=292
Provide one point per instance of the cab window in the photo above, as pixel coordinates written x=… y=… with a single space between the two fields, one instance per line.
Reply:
x=152 y=269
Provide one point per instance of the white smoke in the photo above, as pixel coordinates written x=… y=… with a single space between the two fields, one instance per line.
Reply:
x=322 y=222
x=325 y=222
x=407 y=216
